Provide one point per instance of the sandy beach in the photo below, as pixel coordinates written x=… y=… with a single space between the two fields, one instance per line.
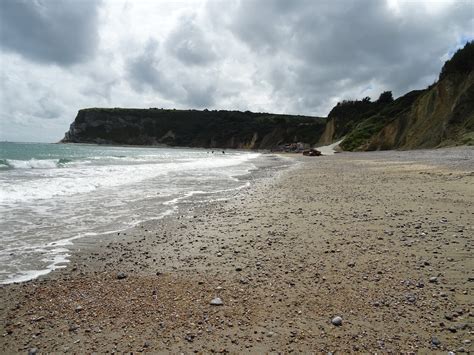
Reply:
x=383 y=240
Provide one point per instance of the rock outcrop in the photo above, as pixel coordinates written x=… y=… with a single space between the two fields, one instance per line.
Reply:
x=192 y=128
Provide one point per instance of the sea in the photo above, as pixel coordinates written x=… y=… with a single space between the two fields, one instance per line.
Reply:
x=53 y=194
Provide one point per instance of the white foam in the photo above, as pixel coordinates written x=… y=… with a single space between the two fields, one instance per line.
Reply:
x=56 y=260
x=82 y=179
x=185 y=196
x=56 y=256
x=193 y=193
x=37 y=203
x=33 y=163
x=26 y=276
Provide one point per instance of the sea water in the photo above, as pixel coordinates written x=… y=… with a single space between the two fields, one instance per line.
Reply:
x=52 y=194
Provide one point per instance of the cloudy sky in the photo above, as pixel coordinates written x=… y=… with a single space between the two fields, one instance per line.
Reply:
x=299 y=56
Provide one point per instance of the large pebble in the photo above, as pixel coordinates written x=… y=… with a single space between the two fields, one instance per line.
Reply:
x=216 y=302
x=337 y=321
x=121 y=275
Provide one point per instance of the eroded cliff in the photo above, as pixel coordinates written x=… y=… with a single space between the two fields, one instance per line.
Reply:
x=441 y=115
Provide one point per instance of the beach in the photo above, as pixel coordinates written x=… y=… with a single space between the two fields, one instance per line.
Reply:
x=382 y=240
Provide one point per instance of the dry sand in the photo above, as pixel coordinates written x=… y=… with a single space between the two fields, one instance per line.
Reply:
x=383 y=240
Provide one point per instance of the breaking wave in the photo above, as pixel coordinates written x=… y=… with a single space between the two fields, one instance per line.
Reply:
x=33 y=163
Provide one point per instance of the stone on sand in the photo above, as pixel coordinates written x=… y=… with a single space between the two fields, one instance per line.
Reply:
x=216 y=302
x=121 y=275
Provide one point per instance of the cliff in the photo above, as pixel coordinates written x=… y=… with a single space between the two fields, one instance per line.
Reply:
x=441 y=115
x=192 y=128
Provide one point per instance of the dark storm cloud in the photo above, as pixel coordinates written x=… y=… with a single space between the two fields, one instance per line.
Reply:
x=62 y=32
x=188 y=43
x=329 y=48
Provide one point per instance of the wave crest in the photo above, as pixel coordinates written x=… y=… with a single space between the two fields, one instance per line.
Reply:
x=32 y=163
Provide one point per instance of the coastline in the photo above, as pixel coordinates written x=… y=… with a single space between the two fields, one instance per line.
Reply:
x=382 y=239
x=43 y=213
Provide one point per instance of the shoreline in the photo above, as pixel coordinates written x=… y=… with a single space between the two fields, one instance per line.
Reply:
x=51 y=252
x=354 y=235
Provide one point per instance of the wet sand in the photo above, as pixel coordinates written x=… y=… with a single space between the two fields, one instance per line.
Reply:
x=384 y=240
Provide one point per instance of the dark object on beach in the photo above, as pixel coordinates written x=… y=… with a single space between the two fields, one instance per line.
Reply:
x=312 y=152
x=121 y=275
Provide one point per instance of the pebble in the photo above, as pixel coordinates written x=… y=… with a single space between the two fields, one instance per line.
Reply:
x=189 y=338
x=337 y=321
x=216 y=302
x=32 y=351
x=448 y=316
x=73 y=327
x=435 y=341
x=410 y=298
x=433 y=279
x=121 y=275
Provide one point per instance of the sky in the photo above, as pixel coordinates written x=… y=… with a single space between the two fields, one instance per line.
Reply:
x=295 y=57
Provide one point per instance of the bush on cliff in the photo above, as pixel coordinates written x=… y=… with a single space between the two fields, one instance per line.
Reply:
x=462 y=61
